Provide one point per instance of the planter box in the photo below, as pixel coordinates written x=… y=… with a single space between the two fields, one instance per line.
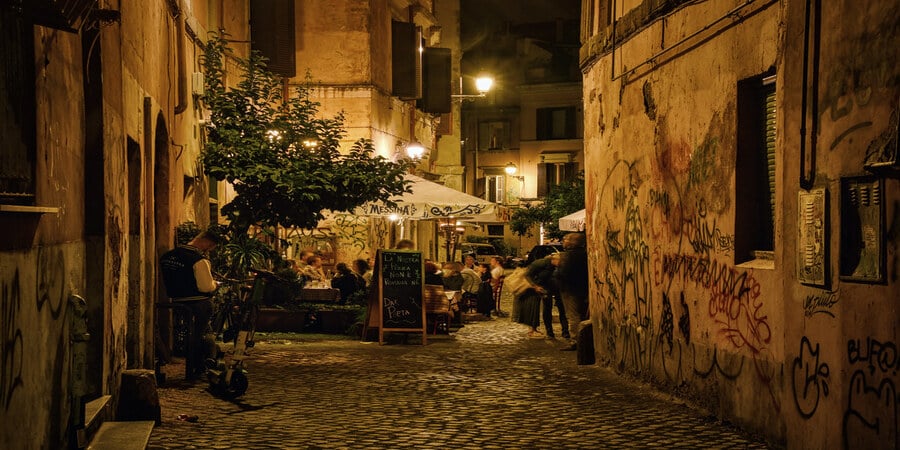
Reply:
x=336 y=321
x=271 y=319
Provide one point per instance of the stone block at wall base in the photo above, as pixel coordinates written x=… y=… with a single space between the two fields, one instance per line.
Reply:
x=138 y=398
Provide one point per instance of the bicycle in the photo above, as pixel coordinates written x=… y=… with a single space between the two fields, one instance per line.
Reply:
x=235 y=321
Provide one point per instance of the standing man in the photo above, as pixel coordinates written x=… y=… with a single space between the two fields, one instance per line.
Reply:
x=572 y=280
x=187 y=275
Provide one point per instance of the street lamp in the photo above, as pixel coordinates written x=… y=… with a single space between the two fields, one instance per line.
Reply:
x=483 y=84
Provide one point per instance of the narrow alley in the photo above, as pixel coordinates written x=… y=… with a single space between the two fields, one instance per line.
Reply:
x=485 y=386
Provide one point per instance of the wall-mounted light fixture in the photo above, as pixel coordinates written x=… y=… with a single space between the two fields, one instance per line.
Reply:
x=483 y=85
x=511 y=170
x=415 y=150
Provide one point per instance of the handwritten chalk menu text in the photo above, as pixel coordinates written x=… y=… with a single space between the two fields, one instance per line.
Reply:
x=400 y=291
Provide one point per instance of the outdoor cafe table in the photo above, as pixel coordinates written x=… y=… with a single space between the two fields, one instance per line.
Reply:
x=320 y=295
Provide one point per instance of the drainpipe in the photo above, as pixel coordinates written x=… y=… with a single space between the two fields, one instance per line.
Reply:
x=181 y=106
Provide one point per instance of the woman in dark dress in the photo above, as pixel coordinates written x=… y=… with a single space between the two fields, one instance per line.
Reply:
x=347 y=282
x=485 y=302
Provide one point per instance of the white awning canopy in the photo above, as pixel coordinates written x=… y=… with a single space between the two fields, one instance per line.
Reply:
x=430 y=200
x=572 y=222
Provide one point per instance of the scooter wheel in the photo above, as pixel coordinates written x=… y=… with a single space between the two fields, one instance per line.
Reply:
x=238 y=384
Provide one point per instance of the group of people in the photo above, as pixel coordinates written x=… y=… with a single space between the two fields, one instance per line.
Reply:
x=478 y=283
x=560 y=280
x=352 y=280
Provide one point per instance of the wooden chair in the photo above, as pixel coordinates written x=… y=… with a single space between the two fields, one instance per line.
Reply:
x=437 y=305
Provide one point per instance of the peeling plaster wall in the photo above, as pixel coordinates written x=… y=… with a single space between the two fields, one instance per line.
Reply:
x=808 y=363
x=42 y=258
x=841 y=363
x=668 y=302
x=102 y=244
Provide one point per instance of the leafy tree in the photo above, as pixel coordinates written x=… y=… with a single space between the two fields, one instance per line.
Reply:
x=256 y=142
x=562 y=200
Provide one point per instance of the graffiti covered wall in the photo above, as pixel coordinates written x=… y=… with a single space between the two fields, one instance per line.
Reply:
x=670 y=301
x=799 y=346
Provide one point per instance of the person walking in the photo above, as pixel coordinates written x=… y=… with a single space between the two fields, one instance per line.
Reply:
x=187 y=277
x=572 y=280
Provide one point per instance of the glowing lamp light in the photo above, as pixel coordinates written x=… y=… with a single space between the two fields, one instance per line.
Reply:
x=483 y=84
x=415 y=150
x=510 y=168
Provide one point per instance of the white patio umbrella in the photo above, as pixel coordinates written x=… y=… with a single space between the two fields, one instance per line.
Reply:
x=430 y=200
x=572 y=222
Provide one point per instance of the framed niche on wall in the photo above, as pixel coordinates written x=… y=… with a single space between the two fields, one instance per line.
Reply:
x=862 y=245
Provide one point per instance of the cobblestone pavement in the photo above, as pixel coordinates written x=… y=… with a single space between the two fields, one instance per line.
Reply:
x=485 y=386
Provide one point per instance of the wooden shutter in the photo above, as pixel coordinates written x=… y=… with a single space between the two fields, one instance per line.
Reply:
x=770 y=143
x=406 y=62
x=542 y=188
x=17 y=110
x=436 y=81
x=272 y=30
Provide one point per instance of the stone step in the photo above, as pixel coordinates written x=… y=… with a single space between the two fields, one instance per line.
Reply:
x=122 y=436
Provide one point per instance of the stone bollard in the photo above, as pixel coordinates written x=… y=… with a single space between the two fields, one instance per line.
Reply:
x=138 y=399
x=586 y=343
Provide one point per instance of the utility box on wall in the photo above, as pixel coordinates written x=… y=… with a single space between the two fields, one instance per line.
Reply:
x=812 y=238
x=862 y=229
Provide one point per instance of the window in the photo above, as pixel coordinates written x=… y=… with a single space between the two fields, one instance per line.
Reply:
x=272 y=28
x=556 y=123
x=496 y=187
x=755 y=173
x=493 y=135
x=18 y=145
x=495 y=230
x=552 y=174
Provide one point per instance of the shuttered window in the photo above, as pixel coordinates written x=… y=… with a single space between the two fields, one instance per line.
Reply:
x=555 y=123
x=406 y=60
x=17 y=111
x=553 y=174
x=272 y=29
x=755 y=183
x=769 y=92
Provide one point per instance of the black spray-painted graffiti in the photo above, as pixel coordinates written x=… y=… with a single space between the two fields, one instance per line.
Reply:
x=705 y=237
x=666 y=325
x=809 y=379
x=819 y=304
x=684 y=322
x=11 y=351
x=879 y=355
x=871 y=417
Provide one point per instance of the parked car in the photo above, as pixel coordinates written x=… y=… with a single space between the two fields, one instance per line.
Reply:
x=543 y=250
x=482 y=252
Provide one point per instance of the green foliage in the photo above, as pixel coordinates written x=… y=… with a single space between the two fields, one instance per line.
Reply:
x=562 y=200
x=185 y=232
x=255 y=142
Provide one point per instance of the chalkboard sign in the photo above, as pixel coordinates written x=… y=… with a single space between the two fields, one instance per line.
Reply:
x=400 y=280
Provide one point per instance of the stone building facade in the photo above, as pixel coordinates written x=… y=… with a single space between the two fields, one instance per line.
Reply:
x=100 y=145
x=742 y=208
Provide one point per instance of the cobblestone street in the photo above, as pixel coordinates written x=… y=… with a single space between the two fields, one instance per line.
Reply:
x=484 y=386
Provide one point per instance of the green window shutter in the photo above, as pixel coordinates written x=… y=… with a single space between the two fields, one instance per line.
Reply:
x=770 y=143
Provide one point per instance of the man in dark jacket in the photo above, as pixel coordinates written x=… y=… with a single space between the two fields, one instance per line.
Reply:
x=542 y=274
x=187 y=276
x=572 y=279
